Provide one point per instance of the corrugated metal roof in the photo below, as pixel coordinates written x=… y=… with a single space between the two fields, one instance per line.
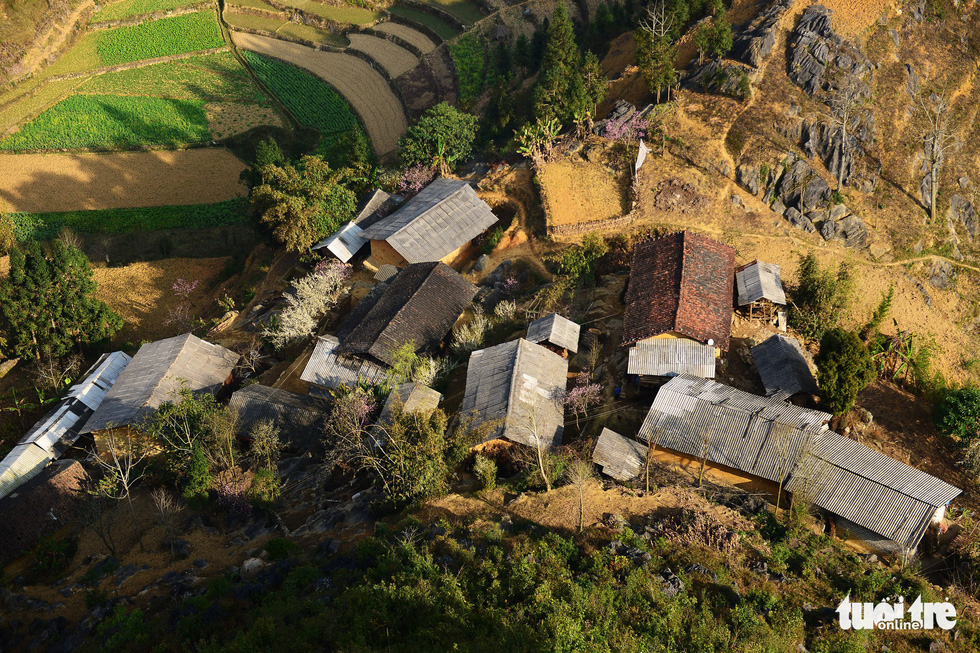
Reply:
x=554 y=329
x=156 y=373
x=670 y=357
x=521 y=384
x=757 y=435
x=54 y=433
x=783 y=367
x=759 y=280
x=345 y=243
x=24 y=462
x=620 y=458
x=439 y=220
x=869 y=488
x=375 y=206
x=329 y=369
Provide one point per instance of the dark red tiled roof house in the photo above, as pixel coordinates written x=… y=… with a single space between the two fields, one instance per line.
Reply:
x=681 y=286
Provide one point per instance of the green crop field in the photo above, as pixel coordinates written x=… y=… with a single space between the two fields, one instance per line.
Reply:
x=250 y=21
x=111 y=121
x=129 y=8
x=254 y=4
x=158 y=38
x=312 y=102
x=45 y=226
x=463 y=11
x=213 y=77
x=439 y=26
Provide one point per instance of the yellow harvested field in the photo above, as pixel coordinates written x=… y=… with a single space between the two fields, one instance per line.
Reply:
x=395 y=59
x=38 y=183
x=361 y=85
x=407 y=34
x=852 y=17
x=230 y=118
x=579 y=192
x=143 y=294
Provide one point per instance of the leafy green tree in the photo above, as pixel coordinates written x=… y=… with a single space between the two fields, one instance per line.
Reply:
x=268 y=153
x=302 y=203
x=443 y=135
x=48 y=304
x=714 y=37
x=958 y=414
x=844 y=368
x=655 y=56
x=822 y=297
x=578 y=262
x=569 y=85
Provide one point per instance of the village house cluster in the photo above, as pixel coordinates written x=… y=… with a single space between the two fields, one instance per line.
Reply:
x=682 y=291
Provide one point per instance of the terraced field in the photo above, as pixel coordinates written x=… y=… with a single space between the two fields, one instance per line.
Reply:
x=41 y=183
x=393 y=58
x=364 y=88
x=436 y=24
x=130 y=8
x=160 y=38
x=407 y=34
x=344 y=15
x=193 y=100
x=465 y=12
x=282 y=26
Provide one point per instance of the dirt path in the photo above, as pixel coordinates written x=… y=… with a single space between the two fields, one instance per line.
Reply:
x=72 y=182
x=361 y=85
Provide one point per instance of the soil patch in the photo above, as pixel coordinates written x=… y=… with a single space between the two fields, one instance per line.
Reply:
x=39 y=183
x=230 y=119
x=576 y=192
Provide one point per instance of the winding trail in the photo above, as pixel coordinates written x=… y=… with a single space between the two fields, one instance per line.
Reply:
x=368 y=93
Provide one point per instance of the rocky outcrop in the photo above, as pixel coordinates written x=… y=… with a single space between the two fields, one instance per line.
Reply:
x=756 y=42
x=801 y=187
x=721 y=77
x=821 y=60
x=961 y=210
x=839 y=153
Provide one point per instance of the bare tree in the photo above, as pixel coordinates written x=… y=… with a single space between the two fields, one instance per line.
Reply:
x=809 y=476
x=651 y=450
x=532 y=426
x=710 y=433
x=782 y=438
x=122 y=469
x=266 y=447
x=579 y=475
x=939 y=139
x=844 y=104
x=658 y=21
x=168 y=508
x=55 y=373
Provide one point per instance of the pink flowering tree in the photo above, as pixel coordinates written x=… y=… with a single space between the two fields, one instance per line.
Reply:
x=583 y=396
x=179 y=314
x=416 y=178
x=631 y=128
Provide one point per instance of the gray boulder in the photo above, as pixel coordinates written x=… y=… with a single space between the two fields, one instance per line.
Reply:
x=961 y=210
x=853 y=231
x=815 y=47
x=748 y=177
x=802 y=187
x=799 y=220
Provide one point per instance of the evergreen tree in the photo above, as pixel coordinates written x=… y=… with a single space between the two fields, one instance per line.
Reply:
x=302 y=203
x=48 y=304
x=522 y=54
x=569 y=85
x=655 y=56
x=844 y=368
x=721 y=35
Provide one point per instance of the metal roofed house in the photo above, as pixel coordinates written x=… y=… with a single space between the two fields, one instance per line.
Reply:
x=298 y=418
x=42 y=507
x=680 y=285
x=345 y=243
x=892 y=503
x=620 y=458
x=521 y=384
x=660 y=357
x=420 y=306
x=58 y=430
x=554 y=330
x=156 y=373
x=374 y=206
x=761 y=436
x=757 y=281
x=411 y=398
x=435 y=225
x=783 y=367
x=329 y=368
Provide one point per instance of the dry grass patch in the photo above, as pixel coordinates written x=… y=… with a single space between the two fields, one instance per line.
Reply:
x=577 y=192
x=231 y=118
x=143 y=293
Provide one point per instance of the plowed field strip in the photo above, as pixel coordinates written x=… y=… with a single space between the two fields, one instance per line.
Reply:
x=393 y=58
x=40 y=183
x=409 y=35
x=364 y=88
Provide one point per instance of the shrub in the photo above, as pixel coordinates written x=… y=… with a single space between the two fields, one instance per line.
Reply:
x=958 y=415
x=470 y=59
x=266 y=488
x=505 y=310
x=822 y=297
x=578 y=262
x=198 y=483
x=493 y=240
x=443 y=136
x=844 y=368
x=470 y=336
x=279 y=548
x=485 y=470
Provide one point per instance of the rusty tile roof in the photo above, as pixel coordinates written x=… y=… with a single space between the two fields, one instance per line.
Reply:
x=681 y=283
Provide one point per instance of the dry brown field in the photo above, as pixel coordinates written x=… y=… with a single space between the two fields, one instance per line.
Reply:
x=579 y=192
x=395 y=59
x=38 y=183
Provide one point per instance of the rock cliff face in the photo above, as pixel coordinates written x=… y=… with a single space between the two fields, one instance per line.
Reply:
x=820 y=59
x=754 y=45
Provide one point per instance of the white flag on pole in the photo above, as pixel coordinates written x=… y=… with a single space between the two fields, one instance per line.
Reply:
x=641 y=156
